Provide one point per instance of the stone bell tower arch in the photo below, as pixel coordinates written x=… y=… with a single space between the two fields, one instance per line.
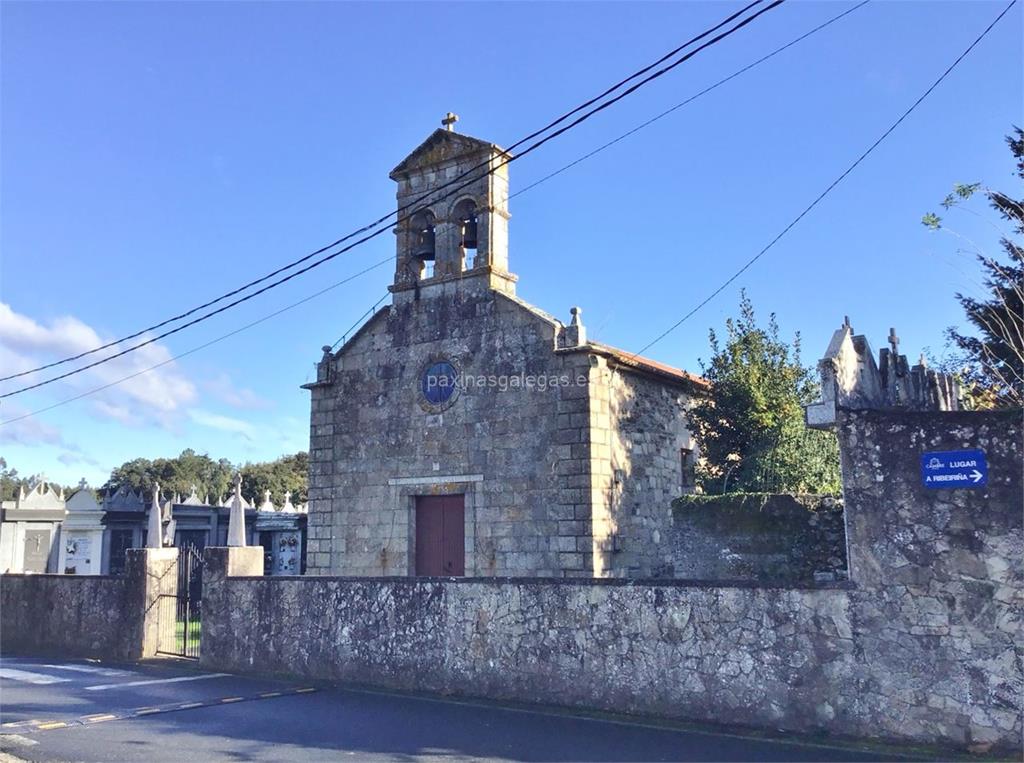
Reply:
x=452 y=225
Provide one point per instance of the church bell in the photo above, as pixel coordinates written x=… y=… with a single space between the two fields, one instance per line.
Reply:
x=469 y=233
x=424 y=248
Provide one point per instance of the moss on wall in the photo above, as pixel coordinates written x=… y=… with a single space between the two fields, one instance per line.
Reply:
x=758 y=536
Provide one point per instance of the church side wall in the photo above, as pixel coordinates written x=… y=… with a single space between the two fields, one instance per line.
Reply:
x=638 y=428
x=508 y=444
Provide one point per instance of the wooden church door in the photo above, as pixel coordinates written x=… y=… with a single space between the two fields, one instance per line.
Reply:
x=440 y=535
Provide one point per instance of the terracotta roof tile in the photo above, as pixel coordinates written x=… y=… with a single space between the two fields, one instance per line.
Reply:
x=638 y=361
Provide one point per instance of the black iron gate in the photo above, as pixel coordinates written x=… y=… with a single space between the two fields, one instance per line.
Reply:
x=180 y=615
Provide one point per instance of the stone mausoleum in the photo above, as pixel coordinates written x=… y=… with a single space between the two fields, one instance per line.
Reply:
x=462 y=431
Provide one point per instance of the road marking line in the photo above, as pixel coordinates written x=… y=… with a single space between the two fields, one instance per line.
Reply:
x=29 y=677
x=17 y=740
x=98 y=718
x=102 y=687
x=39 y=725
x=89 y=669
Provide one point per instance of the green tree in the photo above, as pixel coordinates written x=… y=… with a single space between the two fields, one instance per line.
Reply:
x=990 y=361
x=286 y=474
x=215 y=478
x=11 y=481
x=175 y=475
x=751 y=426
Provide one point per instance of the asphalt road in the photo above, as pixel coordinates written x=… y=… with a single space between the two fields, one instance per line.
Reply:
x=55 y=710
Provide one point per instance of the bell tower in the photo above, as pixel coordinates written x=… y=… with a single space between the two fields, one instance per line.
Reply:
x=452 y=214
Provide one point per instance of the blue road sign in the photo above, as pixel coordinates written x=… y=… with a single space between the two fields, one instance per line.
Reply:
x=948 y=469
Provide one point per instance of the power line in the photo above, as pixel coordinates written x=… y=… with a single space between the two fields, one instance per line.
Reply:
x=524 y=190
x=203 y=346
x=689 y=100
x=747 y=265
x=828 y=190
x=377 y=303
x=415 y=202
x=359 y=320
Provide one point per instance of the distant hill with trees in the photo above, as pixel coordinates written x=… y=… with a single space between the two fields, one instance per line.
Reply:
x=214 y=477
x=11 y=480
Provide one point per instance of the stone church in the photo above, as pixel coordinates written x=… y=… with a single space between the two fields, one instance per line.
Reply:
x=462 y=431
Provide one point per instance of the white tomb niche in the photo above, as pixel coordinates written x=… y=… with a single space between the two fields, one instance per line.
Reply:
x=30 y=529
x=81 y=543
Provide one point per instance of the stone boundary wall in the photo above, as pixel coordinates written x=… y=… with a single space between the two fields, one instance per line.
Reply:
x=677 y=651
x=922 y=645
x=113 y=617
x=773 y=538
x=75 y=615
x=941 y=569
x=798 y=659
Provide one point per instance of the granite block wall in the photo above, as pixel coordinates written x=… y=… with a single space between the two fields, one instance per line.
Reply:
x=114 y=617
x=73 y=615
x=939 y=572
x=512 y=450
x=778 y=538
x=637 y=430
x=921 y=645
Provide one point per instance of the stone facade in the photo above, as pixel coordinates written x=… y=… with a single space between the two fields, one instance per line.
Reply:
x=566 y=452
x=638 y=436
x=772 y=538
x=921 y=644
x=112 y=617
x=850 y=378
x=939 y=572
x=80 y=615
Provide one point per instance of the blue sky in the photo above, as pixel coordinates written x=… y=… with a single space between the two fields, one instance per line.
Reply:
x=156 y=154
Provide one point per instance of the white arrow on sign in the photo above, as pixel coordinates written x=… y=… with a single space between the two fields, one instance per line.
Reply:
x=976 y=476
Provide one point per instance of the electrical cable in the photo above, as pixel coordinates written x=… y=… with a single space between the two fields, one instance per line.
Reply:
x=828 y=190
x=380 y=220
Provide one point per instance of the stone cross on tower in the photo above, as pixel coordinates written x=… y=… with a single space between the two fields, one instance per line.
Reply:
x=894 y=342
x=449 y=121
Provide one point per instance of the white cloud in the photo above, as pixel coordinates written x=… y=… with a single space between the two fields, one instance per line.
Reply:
x=69 y=458
x=223 y=423
x=152 y=397
x=33 y=432
x=30 y=431
x=224 y=389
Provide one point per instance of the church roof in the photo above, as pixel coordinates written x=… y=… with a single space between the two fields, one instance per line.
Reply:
x=623 y=357
x=441 y=146
x=646 y=364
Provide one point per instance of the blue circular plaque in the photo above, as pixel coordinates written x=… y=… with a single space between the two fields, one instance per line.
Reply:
x=439 y=383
